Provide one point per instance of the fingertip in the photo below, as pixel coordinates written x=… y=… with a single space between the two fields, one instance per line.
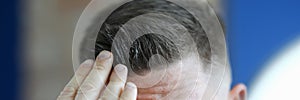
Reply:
x=120 y=68
x=130 y=85
x=105 y=58
x=119 y=74
x=130 y=92
x=85 y=67
x=104 y=55
x=88 y=62
x=131 y=89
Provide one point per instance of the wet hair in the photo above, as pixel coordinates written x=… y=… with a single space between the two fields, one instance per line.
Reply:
x=147 y=45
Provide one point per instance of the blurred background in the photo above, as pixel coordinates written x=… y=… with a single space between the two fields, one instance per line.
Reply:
x=48 y=34
x=48 y=27
x=262 y=35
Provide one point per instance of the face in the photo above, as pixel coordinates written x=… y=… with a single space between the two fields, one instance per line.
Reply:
x=183 y=79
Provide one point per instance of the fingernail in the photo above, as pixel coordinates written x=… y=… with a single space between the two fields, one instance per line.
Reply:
x=120 y=68
x=104 y=55
x=88 y=62
x=130 y=85
x=121 y=72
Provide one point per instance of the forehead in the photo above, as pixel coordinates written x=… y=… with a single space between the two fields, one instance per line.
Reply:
x=188 y=69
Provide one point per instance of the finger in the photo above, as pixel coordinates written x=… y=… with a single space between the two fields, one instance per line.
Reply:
x=116 y=83
x=130 y=92
x=94 y=82
x=71 y=88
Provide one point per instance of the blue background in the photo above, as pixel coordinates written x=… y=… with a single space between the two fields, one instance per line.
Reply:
x=8 y=42
x=9 y=72
x=257 y=29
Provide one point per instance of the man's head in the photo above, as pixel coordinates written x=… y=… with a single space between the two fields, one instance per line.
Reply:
x=179 y=69
x=192 y=83
x=163 y=34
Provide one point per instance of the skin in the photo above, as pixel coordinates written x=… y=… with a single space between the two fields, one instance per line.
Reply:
x=90 y=78
x=96 y=80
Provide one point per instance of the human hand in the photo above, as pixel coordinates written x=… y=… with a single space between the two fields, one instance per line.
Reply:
x=89 y=81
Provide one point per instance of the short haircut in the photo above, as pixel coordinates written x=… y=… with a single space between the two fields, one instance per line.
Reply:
x=147 y=45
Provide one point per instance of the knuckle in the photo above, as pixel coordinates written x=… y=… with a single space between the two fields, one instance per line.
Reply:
x=116 y=83
x=87 y=88
x=80 y=74
x=99 y=67
x=68 y=91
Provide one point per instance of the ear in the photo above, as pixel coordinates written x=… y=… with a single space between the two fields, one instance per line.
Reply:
x=239 y=92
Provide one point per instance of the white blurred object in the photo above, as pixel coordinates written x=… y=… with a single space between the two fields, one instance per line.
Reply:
x=280 y=79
